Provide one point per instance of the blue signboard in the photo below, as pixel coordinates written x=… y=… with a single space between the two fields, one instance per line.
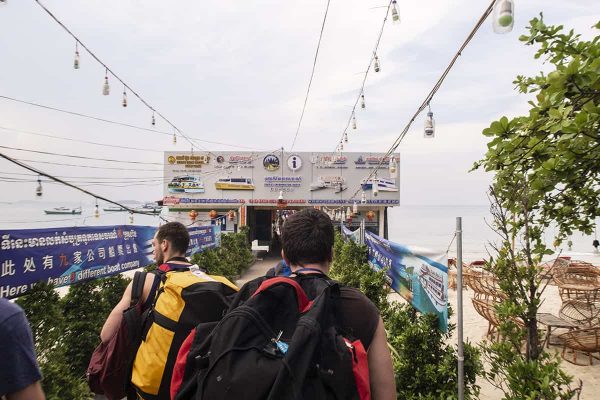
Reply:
x=63 y=256
x=419 y=275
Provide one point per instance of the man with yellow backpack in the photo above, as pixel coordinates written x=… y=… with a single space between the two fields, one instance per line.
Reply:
x=175 y=299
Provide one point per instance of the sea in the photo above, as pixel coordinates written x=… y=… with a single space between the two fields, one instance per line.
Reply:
x=431 y=227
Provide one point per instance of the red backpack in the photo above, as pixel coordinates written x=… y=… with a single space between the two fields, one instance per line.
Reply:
x=277 y=344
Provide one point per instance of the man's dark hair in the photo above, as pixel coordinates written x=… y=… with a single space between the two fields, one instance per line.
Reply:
x=177 y=235
x=307 y=237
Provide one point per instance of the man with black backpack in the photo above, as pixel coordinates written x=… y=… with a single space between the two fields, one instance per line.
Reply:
x=302 y=337
x=174 y=299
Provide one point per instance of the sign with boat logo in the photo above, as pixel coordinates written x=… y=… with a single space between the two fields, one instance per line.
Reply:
x=303 y=178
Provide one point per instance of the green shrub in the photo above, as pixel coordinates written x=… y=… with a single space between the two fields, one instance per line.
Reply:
x=230 y=259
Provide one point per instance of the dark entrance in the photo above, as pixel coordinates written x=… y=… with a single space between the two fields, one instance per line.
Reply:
x=260 y=223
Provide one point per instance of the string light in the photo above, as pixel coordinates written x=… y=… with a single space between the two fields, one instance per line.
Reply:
x=174 y=137
x=353 y=120
x=130 y=217
x=345 y=137
x=3 y=2
x=76 y=60
x=376 y=64
x=39 y=190
x=153 y=119
x=354 y=208
x=395 y=14
x=393 y=167
x=375 y=185
x=341 y=147
x=124 y=96
x=362 y=101
x=503 y=19
x=106 y=86
x=97 y=211
x=429 y=124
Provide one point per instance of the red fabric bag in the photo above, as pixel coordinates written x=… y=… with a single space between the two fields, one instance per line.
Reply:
x=109 y=370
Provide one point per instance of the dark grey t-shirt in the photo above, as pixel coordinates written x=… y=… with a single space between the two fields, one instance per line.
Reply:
x=18 y=365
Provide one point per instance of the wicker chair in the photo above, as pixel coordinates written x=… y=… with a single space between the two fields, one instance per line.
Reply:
x=486 y=308
x=585 y=340
x=580 y=312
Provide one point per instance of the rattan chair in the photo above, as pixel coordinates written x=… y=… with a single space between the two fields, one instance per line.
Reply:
x=580 y=312
x=585 y=340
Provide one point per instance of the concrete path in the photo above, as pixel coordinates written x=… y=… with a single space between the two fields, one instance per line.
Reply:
x=259 y=268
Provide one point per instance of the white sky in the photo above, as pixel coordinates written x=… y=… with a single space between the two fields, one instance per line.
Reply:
x=236 y=72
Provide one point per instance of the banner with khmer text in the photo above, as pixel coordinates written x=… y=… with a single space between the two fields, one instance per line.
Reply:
x=63 y=256
x=419 y=275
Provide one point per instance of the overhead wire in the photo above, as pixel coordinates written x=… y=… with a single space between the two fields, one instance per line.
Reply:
x=312 y=73
x=430 y=95
x=86 y=166
x=79 y=157
x=108 y=121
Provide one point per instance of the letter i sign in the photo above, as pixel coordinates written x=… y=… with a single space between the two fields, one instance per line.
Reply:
x=294 y=162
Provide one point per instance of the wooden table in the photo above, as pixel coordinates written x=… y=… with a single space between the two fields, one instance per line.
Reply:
x=553 y=322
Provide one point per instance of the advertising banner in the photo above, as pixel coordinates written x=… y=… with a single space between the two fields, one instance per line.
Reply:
x=419 y=275
x=63 y=256
x=348 y=234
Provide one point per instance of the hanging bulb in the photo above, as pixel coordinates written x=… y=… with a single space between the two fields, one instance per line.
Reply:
x=376 y=64
x=39 y=190
x=375 y=186
x=76 y=60
x=106 y=86
x=395 y=15
x=341 y=147
x=130 y=217
x=429 y=125
x=353 y=121
x=363 y=198
x=153 y=119
x=362 y=101
x=280 y=197
x=3 y=2
x=343 y=216
x=345 y=137
x=503 y=19
x=393 y=167
x=174 y=137
x=97 y=211
x=355 y=207
x=348 y=212
x=124 y=97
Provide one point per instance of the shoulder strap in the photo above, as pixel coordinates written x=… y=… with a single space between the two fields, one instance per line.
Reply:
x=137 y=288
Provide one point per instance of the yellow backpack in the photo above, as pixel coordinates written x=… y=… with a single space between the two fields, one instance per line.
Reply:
x=184 y=299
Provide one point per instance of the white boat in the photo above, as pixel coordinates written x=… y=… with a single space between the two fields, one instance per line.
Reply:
x=324 y=182
x=432 y=282
x=185 y=184
x=234 y=184
x=114 y=209
x=383 y=184
x=63 y=210
x=150 y=208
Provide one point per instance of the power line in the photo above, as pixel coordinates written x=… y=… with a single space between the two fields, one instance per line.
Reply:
x=42 y=173
x=312 y=73
x=79 y=157
x=108 y=121
x=432 y=93
x=87 y=166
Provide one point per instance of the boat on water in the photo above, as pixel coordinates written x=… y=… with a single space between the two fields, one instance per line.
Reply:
x=432 y=282
x=185 y=184
x=63 y=210
x=150 y=208
x=325 y=182
x=114 y=209
x=234 y=184
x=383 y=184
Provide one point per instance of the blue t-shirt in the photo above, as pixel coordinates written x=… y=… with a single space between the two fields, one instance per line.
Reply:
x=18 y=365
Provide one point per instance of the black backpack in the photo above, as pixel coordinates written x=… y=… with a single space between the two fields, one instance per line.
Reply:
x=275 y=344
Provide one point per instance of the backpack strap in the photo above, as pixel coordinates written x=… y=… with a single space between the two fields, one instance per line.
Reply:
x=137 y=287
x=303 y=303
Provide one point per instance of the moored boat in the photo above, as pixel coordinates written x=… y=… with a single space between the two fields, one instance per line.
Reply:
x=63 y=210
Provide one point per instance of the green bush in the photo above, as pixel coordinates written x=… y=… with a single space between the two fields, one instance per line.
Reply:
x=230 y=259
x=425 y=366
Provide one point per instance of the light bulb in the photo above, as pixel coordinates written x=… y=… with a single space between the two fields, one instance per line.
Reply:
x=124 y=98
x=39 y=190
x=429 y=125
x=503 y=19
x=174 y=138
x=355 y=207
x=348 y=212
x=345 y=137
x=362 y=102
x=3 y=2
x=106 y=86
x=97 y=212
x=353 y=121
x=280 y=197
x=363 y=198
x=341 y=147
x=153 y=119
x=376 y=64
x=393 y=167
x=76 y=60
x=375 y=186
x=131 y=218
x=395 y=14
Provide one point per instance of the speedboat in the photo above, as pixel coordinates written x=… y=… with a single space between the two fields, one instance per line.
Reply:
x=114 y=209
x=432 y=282
x=324 y=182
x=234 y=184
x=150 y=208
x=185 y=184
x=63 y=210
x=383 y=184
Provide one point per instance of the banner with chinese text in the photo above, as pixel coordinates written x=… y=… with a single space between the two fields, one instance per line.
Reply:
x=419 y=275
